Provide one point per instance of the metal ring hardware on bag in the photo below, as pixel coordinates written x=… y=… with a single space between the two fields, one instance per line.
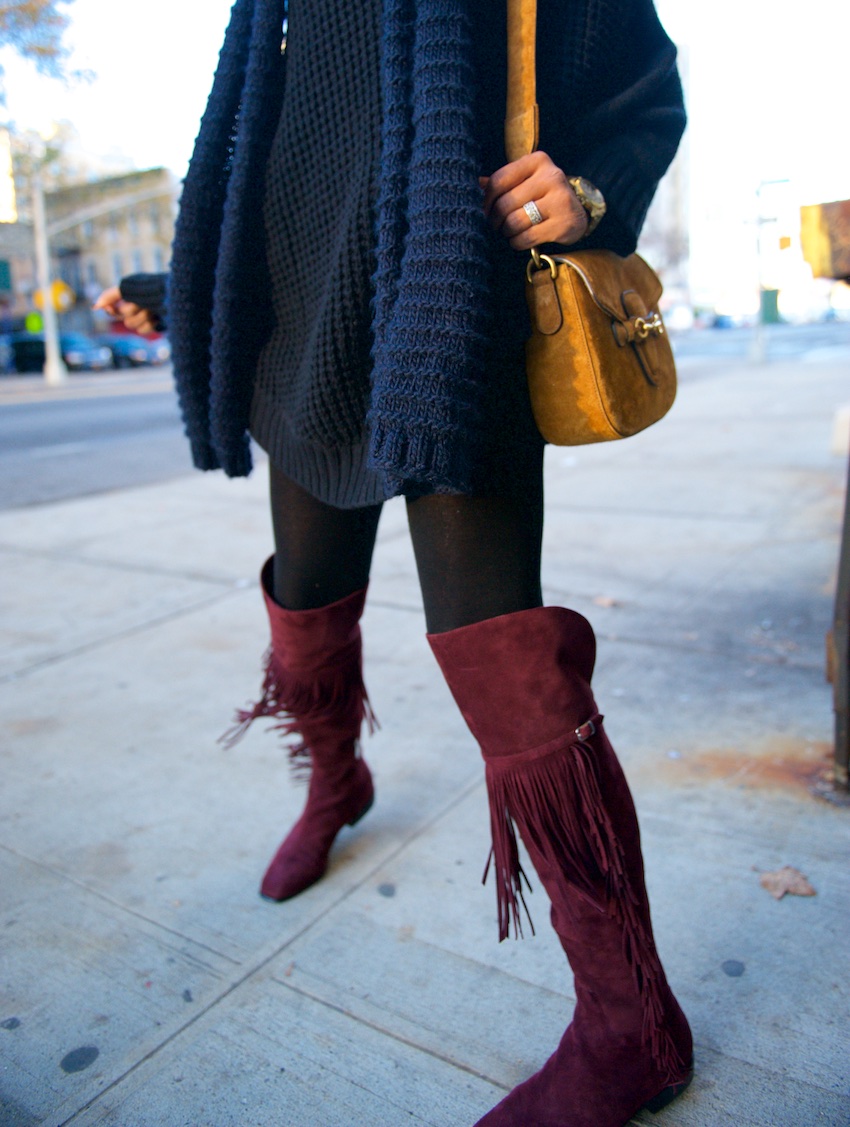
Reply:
x=541 y=262
x=598 y=360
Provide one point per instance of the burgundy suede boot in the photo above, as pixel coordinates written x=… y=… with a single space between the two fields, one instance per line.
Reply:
x=522 y=682
x=314 y=687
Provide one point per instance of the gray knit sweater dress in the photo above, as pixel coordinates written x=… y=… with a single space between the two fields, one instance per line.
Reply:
x=312 y=388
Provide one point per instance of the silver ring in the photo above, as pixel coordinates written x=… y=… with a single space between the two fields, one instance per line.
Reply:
x=533 y=212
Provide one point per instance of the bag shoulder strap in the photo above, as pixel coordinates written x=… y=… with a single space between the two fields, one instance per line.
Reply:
x=522 y=117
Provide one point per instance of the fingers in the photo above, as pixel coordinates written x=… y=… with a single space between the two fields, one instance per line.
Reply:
x=138 y=319
x=134 y=316
x=534 y=178
x=509 y=177
x=566 y=224
x=109 y=301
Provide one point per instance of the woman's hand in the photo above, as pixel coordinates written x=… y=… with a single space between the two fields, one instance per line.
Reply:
x=134 y=316
x=534 y=178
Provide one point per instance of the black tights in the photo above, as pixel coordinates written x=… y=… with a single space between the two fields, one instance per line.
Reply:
x=477 y=557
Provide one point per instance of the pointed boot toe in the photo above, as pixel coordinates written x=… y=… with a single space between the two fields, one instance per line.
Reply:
x=291 y=871
x=302 y=858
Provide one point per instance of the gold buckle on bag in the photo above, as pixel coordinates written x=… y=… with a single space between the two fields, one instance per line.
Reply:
x=647 y=327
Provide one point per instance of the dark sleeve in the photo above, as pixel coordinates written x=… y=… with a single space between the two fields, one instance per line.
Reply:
x=617 y=116
x=149 y=291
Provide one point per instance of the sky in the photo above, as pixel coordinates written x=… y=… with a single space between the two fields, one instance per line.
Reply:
x=766 y=86
x=767 y=90
x=767 y=101
x=152 y=64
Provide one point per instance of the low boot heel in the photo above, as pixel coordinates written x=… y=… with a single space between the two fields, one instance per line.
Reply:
x=668 y=1094
x=363 y=812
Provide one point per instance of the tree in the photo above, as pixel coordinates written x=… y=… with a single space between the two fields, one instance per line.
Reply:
x=32 y=154
x=60 y=160
x=34 y=29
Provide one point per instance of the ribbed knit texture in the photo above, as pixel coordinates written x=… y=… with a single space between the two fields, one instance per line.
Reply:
x=610 y=110
x=431 y=282
x=217 y=295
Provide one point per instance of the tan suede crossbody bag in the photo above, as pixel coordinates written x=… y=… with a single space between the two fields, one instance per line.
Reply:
x=599 y=361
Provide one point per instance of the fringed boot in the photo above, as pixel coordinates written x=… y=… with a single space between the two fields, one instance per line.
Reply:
x=522 y=682
x=314 y=688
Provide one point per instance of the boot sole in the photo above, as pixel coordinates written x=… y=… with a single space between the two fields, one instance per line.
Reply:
x=668 y=1094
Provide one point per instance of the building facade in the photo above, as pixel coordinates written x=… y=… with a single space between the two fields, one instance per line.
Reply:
x=97 y=232
x=17 y=273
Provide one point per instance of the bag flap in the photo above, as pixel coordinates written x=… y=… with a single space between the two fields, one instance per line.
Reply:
x=608 y=276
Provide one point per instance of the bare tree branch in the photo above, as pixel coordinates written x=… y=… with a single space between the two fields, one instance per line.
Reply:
x=34 y=29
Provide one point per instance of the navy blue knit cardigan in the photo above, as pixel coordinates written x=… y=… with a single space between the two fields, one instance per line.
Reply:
x=611 y=110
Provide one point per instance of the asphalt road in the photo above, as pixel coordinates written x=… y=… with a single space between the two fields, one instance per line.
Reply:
x=782 y=342
x=111 y=432
x=87 y=440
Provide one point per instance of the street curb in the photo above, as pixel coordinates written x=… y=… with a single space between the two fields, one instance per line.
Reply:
x=33 y=389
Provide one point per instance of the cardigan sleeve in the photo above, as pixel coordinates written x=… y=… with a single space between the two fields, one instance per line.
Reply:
x=148 y=291
x=624 y=135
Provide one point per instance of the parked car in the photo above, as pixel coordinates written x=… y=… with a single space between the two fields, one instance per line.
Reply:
x=7 y=356
x=79 y=352
x=131 y=351
x=82 y=353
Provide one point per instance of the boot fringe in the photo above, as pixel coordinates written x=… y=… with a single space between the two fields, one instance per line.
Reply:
x=553 y=796
x=333 y=699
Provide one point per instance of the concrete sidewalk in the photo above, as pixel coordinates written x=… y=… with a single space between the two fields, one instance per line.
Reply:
x=145 y=982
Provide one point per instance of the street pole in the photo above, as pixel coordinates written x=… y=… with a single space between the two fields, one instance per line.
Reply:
x=55 y=372
x=758 y=343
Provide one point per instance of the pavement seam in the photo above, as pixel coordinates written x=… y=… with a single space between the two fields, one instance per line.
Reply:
x=124 y=565
x=250 y=970
x=150 y=624
x=227 y=582
x=479 y=1075
x=395 y=1036
x=98 y=894
x=122 y=635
